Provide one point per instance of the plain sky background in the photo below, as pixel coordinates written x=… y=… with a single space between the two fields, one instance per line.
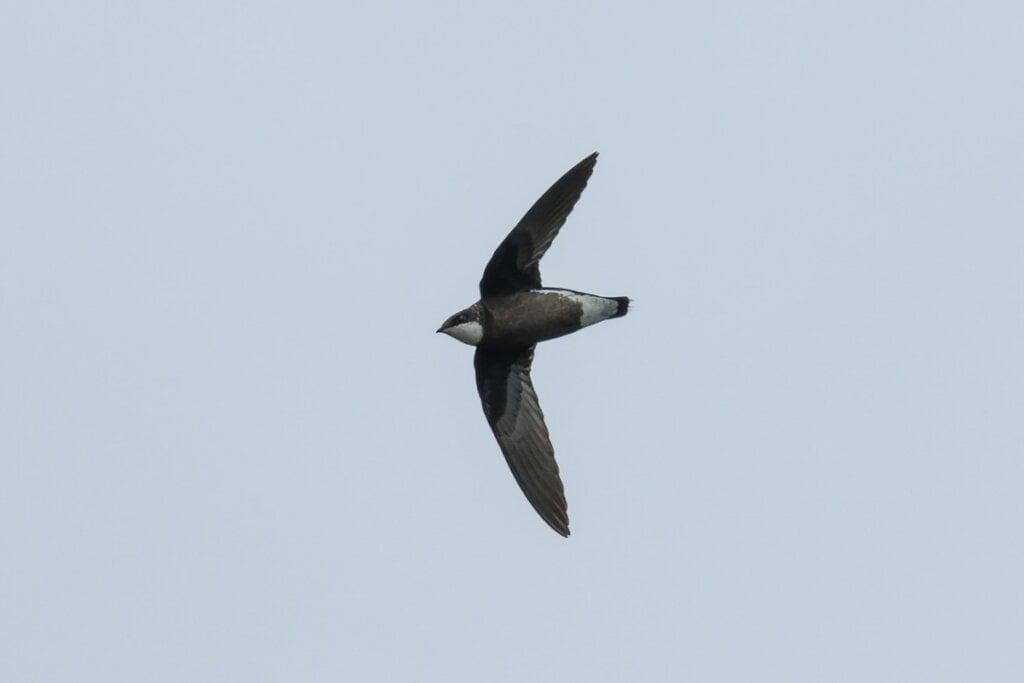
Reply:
x=233 y=449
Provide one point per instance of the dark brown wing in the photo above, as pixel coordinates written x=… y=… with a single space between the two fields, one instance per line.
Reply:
x=511 y=407
x=514 y=265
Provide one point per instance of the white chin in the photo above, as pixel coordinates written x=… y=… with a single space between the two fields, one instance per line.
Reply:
x=468 y=333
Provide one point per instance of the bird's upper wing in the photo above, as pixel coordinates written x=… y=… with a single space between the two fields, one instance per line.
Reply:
x=514 y=265
x=512 y=410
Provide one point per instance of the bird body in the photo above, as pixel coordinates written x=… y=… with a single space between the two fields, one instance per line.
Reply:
x=535 y=315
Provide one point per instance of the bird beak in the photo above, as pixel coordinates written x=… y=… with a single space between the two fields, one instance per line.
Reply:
x=440 y=329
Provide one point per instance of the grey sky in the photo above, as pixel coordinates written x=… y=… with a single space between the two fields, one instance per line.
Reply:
x=233 y=448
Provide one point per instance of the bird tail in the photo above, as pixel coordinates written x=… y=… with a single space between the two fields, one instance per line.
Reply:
x=623 y=302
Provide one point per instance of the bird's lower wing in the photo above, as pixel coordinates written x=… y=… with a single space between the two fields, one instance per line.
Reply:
x=511 y=407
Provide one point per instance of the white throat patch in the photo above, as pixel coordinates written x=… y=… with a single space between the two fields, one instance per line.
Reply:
x=471 y=333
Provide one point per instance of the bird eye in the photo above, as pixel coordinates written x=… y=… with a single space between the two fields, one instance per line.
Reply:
x=460 y=318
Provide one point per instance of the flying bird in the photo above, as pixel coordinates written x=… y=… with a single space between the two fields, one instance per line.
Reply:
x=514 y=313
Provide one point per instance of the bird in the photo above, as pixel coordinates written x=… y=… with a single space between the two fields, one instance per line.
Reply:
x=514 y=313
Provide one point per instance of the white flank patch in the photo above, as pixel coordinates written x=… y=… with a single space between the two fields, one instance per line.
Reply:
x=468 y=333
x=595 y=308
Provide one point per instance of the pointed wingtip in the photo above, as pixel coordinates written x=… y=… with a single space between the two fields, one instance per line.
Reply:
x=587 y=162
x=559 y=526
